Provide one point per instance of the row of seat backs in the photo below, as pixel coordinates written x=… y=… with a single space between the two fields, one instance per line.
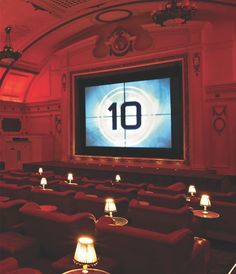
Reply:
x=56 y=232
x=10 y=266
x=142 y=251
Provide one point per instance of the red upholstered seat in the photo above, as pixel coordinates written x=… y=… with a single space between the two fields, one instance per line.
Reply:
x=224 y=227
x=14 y=191
x=10 y=266
x=85 y=202
x=62 y=199
x=142 y=251
x=163 y=200
x=113 y=192
x=159 y=219
x=129 y=185
x=22 y=247
x=176 y=188
x=56 y=232
x=63 y=186
x=9 y=214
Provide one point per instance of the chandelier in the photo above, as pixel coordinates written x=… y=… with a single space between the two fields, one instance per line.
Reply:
x=8 y=53
x=174 y=12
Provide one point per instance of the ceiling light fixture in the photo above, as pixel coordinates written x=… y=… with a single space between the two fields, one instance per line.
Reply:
x=174 y=12
x=7 y=53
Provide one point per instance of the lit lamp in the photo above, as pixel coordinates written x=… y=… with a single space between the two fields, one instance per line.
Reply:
x=70 y=177
x=192 y=190
x=205 y=202
x=85 y=253
x=118 y=178
x=110 y=206
x=43 y=182
x=40 y=170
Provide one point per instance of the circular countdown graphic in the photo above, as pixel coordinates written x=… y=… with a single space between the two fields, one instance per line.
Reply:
x=127 y=117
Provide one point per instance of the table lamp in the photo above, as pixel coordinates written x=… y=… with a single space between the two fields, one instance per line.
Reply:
x=118 y=178
x=43 y=182
x=205 y=202
x=192 y=190
x=70 y=177
x=85 y=253
x=40 y=170
x=110 y=206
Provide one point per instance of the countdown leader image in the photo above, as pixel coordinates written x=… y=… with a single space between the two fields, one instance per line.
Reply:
x=129 y=114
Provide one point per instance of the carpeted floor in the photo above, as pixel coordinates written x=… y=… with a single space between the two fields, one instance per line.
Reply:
x=223 y=257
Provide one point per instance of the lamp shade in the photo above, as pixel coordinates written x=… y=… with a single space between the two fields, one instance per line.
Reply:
x=70 y=177
x=85 y=252
x=110 y=205
x=43 y=182
x=192 y=189
x=40 y=170
x=205 y=200
x=118 y=178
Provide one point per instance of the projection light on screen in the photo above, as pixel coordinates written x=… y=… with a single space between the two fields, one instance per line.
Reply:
x=133 y=114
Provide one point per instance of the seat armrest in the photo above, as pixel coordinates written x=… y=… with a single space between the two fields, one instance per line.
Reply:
x=8 y=264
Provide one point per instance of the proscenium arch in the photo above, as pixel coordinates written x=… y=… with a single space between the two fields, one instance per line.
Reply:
x=219 y=2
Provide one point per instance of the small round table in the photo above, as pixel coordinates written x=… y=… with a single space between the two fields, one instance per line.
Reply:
x=90 y=271
x=210 y=215
x=120 y=221
x=4 y=198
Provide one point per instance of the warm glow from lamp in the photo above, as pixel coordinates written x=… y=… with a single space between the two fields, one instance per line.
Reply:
x=43 y=182
x=192 y=190
x=118 y=178
x=70 y=177
x=40 y=170
x=85 y=253
x=110 y=206
x=205 y=202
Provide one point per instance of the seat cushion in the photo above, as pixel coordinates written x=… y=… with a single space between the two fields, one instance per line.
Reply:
x=22 y=247
x=24 y=270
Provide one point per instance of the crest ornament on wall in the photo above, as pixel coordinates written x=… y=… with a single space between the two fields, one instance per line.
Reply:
x=219 y=118
x=120 y=42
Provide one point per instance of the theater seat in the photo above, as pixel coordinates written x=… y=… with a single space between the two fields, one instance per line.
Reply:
x=57 y=232
x=104 y=191
x=84 y=202
x=62 y=199
x=163 y=200
x=176 y=188
x=9 y=214
x=24 y=248
x=10 y=266
x=160 y=219
x=142 y=251
x=14 y=191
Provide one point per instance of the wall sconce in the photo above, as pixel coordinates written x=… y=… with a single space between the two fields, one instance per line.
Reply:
x=205 y=202
x=110 y=206
x=70 y=177
x=118 y=178
x=43 y=182
x=40 y=171
x=192 y=190
x=85 y=253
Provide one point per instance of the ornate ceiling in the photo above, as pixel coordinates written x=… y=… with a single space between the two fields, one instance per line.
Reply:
x=40 y=27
